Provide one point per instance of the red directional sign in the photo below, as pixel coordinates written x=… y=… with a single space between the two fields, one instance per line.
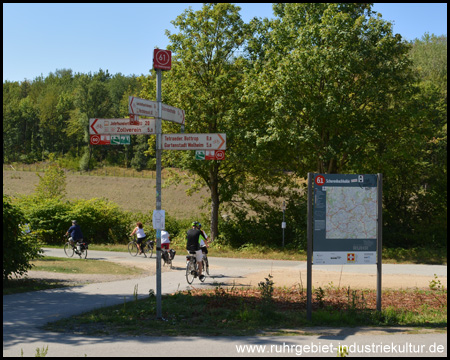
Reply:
x=162 y=59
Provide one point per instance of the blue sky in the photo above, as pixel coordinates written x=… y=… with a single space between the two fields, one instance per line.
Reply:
x=41 y=38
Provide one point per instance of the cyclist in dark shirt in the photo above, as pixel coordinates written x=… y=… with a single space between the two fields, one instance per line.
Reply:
x=75 y=232
x=194 y=236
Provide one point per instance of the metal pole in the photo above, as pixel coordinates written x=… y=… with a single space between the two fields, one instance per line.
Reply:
x=158 y=193
x=284 y=208
x=309 y=251
x=379 y=237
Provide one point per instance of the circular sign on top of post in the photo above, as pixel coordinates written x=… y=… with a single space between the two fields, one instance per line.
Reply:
x=162 y=59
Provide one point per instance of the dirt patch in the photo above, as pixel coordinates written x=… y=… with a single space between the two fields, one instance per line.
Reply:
x=290 y=278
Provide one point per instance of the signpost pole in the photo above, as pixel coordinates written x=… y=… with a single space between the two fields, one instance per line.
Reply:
x=309 y=250
x=158 y=193
x=379 y=237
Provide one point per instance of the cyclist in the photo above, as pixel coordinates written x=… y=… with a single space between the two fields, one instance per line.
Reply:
x=75 y=233
x=139 y=231
x=203 y=242
x=194 y=236
x=165 y=243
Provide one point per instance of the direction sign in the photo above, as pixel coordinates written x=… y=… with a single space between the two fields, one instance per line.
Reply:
x=121 y=126
x=173 y=114
x=143 y=107
x=194 y=141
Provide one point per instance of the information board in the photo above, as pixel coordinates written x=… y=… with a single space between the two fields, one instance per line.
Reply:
x=345 y=220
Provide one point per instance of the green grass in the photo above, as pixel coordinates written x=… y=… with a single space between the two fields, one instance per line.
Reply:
x=239 y=312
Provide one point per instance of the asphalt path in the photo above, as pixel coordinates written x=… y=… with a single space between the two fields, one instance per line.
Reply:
x=23 y=314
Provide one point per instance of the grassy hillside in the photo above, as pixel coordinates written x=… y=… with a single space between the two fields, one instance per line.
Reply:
x=130 y=193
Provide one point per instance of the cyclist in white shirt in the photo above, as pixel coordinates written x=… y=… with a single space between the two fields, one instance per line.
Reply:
x=139 y=231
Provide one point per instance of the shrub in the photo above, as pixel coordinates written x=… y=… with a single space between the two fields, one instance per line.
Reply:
x=18 y=248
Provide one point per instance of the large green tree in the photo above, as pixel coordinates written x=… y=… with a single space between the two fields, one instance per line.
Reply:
x=324 y=81
x=204 y=81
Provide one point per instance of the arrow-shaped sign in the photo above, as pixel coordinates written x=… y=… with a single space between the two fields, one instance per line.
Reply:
x=149 y=108
x=194 y=141
x=121 y=127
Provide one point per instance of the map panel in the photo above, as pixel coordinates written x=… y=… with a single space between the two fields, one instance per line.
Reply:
x=351 y=212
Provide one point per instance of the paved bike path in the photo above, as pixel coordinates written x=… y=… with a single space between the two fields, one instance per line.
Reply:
x=24 y=313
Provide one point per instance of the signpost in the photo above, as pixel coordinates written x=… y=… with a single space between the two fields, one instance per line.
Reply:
x=118 y=131
x=143 y=107
x=194 y=142
x=121 y=127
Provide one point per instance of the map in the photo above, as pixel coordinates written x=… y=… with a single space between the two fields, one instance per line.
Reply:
x=351 y=212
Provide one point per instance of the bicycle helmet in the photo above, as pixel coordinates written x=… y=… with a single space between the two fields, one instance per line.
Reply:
x=74 y=221
x=194 y=223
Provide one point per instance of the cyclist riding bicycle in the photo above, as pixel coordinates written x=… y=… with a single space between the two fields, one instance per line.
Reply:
x=75 y=233
x=203 y=242
x=194 y=237
x=139 y=231
x=165 y=244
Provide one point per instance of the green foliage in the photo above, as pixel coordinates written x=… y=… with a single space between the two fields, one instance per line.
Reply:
x=101 y=221
x=53 y=183
x=19 y=248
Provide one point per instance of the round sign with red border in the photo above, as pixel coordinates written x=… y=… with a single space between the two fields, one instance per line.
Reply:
x=95 y=139
x=220 y=154
x=320 y=180
x=162 y=59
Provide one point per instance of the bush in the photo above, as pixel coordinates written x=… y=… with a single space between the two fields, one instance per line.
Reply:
x=101 y=221
x=18 y=248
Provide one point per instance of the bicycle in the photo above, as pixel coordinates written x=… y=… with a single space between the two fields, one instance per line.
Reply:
x=205 y=263
x=80 y=248
x=192 y=268
x=147 y=247
x=168 y=256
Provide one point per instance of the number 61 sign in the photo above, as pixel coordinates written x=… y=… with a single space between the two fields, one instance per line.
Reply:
x=162 y=59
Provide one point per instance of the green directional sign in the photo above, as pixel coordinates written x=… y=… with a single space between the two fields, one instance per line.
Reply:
x=125 y=139
x=115 y=139
x=120 y=139
x=199 y=155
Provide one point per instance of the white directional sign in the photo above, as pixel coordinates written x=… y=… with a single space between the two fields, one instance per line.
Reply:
x=149 y=108
x=142 y=107
x=121 y=127
x=194 y=141
x=171 y=113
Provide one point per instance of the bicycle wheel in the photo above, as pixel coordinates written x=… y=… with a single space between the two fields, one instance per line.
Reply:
x=149 y=249
x=68 y=249
x=206 y=264
x=189 y=269
x=132 y=248
x=203 y=271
